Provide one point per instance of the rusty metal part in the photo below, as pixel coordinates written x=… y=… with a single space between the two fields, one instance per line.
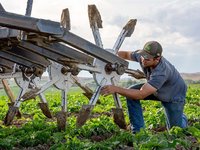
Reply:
x=61 y=120
x=10 y=115
x=72 y=69
x=94 y=16
x=130 y=27
x=120 y=69
x=136 y=73
x=86 y=109
x=45 y=109
x=34 y=70
x=18 y=113
x=65 y=19
x=118 y=116
x=83 y=115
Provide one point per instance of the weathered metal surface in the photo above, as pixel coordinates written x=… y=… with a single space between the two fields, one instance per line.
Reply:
x=118 y=116
x=65 y=19
x=15 y=59
x=130 y=27
x=136 y=73
x=29 y=56
x=20 y=22
x=95 y=24
x=91 y=49
x=50 y=27
x=83 y=115
x=29 y=7
x=94 y=16
x=126 y=32
x=61 y=120
x=6 y=63
x=45 y=109
x=10 y=115
x=66 y=51
x=8 y=33
x=59 y=53
x=40 y=51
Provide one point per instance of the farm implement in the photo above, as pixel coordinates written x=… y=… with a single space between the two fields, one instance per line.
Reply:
x=30 y=46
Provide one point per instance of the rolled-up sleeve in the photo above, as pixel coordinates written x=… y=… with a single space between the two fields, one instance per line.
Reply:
x=135 y=56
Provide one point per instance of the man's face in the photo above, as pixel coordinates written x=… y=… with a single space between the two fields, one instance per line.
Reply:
x=151 y=62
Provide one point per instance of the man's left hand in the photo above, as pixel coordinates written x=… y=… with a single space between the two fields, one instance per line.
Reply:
x=108 y=89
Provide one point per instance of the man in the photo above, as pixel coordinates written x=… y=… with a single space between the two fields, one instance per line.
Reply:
x=164 y=84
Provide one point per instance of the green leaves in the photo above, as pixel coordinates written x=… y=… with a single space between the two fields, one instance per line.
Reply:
x=100 y=132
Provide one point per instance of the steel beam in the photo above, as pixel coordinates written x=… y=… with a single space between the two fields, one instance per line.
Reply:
x=57 y=52
x=47 y=27
x=6 y=63
x=8 y=33
x=15 y=59
x=29 y=56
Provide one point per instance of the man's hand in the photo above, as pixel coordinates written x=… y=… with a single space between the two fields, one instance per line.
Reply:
x=108 y=89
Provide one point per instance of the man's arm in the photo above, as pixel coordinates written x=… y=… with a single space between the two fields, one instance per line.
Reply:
x=125 y=55
x=134 y=94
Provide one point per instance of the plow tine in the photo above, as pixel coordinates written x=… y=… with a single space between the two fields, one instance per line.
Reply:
x=10 y=115
x=118 y=114
x=95 y=23
x=65 y=19
x=61 y=120
x=83 y=115
x=44 y=106
x=45 y=110
x=126 y=32
x=94 y=16
x=130 y=27
x=86 y=109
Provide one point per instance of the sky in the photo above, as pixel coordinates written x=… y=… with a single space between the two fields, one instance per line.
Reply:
x=173 y=23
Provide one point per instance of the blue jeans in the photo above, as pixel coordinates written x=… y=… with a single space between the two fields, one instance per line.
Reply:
x=173 y=111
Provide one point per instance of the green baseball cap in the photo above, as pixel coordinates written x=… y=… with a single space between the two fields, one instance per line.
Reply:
x=152 y=49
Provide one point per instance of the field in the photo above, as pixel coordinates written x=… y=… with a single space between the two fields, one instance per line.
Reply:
x=35 y=131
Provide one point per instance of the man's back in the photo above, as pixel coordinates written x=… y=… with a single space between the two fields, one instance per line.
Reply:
x=166 y=79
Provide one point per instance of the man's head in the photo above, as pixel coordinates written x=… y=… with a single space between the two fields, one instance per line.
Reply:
x=151 y=54
x=152 y=49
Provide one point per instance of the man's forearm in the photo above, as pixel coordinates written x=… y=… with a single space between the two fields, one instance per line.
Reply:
x=131 y=93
